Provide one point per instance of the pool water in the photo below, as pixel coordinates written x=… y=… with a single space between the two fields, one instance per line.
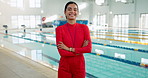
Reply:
x=108 y=59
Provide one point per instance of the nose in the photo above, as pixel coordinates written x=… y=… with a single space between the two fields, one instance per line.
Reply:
x=72 y=10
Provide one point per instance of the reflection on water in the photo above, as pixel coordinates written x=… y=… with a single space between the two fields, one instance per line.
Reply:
x=37 y=46
x=121 y=34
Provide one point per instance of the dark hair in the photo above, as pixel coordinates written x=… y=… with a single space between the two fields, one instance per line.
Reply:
x=70 y=2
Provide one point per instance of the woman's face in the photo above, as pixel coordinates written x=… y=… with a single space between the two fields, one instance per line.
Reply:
x=71 y=12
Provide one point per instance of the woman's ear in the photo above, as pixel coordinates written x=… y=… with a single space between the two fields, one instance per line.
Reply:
x=65 y=14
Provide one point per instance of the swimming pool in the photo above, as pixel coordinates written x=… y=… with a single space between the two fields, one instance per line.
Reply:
x=111 y=57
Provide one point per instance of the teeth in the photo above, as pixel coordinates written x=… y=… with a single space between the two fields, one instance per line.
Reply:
x=71 y=14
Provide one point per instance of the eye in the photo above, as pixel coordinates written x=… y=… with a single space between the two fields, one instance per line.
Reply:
x=75 y=9
x=69 y=8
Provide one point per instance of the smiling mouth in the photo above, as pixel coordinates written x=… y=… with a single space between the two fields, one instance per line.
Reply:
x=72 y=15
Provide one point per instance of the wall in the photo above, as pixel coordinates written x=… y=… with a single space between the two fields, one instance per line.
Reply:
x=56 y=7
x=7 y=11
x=133 y=9
x=141 y=8
x=49 y=8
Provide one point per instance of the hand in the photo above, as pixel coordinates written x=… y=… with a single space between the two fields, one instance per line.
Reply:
x=85 y=43
x=62 y=46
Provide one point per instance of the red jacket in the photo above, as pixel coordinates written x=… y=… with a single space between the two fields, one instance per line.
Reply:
x=79 y=35
x=72 y=64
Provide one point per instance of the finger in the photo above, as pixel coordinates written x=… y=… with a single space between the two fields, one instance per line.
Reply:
x=59 y=47
x=60 y=42
x=87 y=41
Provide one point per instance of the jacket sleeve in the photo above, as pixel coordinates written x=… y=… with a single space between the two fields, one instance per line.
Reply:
x=88 y=48
x=59 y=38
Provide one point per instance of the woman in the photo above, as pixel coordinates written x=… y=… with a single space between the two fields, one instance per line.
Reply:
x=72 y=41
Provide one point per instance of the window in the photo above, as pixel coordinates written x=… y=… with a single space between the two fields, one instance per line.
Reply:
x=20 y=21
x=13 y=3
x=17 y=3
x=99 y=2
x=143 y=22
x=35 y=3
x=29 y=21
x=121 y=1
x=38 y=19
x=125 y=1
x=121 y=21
x=14 y=21
x=32 y=21
x=101 y=20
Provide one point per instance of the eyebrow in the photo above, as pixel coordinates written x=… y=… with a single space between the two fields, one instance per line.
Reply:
x=71 y=7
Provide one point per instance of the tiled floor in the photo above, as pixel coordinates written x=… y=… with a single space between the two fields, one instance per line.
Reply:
x=13 y=65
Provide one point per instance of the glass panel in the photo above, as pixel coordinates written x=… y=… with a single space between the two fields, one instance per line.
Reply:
x=27 y=21
x=13 y=3
x=38 y=3
x=99 y=2
x=101 y=21
x=115 y=22
x=32 y=3
x=142 y=20
x=14 y=21
x=95 y=20
x=38 y=20
x=32 y=21
x=35 y=3
x=121 y=21
x=146 y=21
x=20 y=3
x=20 y=21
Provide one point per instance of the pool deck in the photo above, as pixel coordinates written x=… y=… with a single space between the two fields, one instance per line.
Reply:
x=13 y=65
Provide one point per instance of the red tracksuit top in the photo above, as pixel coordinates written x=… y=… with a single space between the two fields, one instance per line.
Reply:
x=72 y=64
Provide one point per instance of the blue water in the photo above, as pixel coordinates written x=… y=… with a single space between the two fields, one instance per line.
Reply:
x=96 y=66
